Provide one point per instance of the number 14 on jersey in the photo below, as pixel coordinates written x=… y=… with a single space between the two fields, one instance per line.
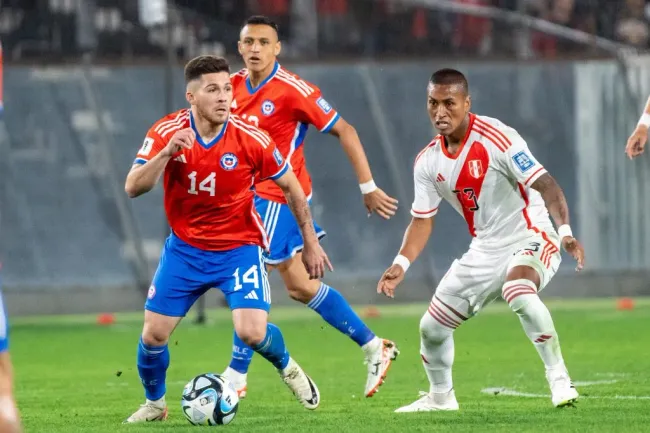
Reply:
x=208 y=184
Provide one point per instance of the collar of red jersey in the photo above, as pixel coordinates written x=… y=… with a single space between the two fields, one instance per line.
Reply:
x=212 y=142
x=252 y=90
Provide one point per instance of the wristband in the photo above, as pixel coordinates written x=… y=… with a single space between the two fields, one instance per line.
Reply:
x=368 y=187
x=645 y=120
x=402 y=261
x=564 y=230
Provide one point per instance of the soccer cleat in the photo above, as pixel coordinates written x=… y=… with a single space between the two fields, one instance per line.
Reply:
x=238 y=380
x=148 y=412
x=379 y=356
x=432 y=401
x=563 y=393
x=301 y=385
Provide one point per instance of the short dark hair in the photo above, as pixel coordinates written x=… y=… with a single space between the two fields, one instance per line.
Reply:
x=263 y=21
x=200 y=65
x=449 y=77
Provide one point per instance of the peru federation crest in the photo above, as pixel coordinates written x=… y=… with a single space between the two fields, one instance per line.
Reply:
x=475 y=168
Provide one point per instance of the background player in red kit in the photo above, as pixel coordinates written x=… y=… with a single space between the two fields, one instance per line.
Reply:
x=209 y=159
x=486 y=172
x=279 y=102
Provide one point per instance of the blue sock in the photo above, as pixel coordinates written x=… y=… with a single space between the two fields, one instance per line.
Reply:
x=272 y=348
x=242 y=355
x=152 y=366
x=336 y=311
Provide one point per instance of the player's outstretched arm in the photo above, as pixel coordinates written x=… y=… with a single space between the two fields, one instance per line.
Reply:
x=637 y=141
x=143 y=177
x=557 y=206
x=374 y=198
x=415 y=239
x=313 y=256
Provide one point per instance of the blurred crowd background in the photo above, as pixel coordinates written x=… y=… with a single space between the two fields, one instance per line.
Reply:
x=314 y=29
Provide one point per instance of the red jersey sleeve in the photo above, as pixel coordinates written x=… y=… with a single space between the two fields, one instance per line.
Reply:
x=310 y=106
x=153 y=144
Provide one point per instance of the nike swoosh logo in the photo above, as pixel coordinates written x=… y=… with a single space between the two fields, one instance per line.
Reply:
x=314 y=395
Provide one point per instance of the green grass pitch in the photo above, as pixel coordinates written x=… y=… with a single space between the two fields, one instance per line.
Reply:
x=67 y=373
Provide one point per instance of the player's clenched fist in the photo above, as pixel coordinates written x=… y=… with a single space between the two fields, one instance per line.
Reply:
x=315 y=260
x=390 y=280
x=637 y=141
x=182 y=139
x=573 y=247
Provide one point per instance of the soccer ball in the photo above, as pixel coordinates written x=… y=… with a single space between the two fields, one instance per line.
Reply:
x=209 y=399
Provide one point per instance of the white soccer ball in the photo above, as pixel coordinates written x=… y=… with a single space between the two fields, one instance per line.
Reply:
x=209 y=399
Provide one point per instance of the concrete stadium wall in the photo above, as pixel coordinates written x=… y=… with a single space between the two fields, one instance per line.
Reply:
x=61 y=243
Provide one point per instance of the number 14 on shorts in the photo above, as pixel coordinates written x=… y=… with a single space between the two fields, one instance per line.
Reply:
x=251 y=276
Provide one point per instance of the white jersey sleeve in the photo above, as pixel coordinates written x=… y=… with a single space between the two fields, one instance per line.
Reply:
x=427 y=199
x=517 y=161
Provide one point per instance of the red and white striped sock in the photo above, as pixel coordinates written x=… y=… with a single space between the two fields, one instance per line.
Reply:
x=437 y=343
x=536 y=320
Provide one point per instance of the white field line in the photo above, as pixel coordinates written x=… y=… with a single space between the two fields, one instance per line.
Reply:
x=514 y=393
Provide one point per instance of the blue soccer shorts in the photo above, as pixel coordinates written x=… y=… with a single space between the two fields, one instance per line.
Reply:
x=4 y=325
x=185 y=273
x=282 y=230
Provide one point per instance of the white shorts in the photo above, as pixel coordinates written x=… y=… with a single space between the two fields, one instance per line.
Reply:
x=478 y=277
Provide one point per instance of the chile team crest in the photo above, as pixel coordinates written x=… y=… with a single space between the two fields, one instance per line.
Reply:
x=268 y=107
x=475 y=168
x=228 y=161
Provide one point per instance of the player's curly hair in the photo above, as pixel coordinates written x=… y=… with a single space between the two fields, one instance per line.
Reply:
x=201 y=65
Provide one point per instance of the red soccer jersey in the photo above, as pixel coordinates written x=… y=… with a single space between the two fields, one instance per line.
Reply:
x=284 y=106
x=208 y=197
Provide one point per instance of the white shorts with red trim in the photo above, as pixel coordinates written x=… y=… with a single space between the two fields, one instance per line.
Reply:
x=477 y=278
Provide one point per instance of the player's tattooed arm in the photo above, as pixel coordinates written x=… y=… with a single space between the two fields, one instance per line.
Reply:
x=313 y=256
x=553 y=198
x=300 y=209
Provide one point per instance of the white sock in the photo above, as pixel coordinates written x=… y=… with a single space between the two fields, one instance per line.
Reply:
x=8 y=410
x=290 y=366
x=536 y=320
x=372 y=345
x=160 y=403
x=234 y=375
x=437 y=351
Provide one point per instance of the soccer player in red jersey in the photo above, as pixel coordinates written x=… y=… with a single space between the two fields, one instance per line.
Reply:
x=637 y=141
x=486 y=172
x=278 y=101
x=209 y=159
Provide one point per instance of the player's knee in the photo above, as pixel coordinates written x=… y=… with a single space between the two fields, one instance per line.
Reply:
x=432 y=331
x=252 y=335
x=518 y=293
x=153 y=335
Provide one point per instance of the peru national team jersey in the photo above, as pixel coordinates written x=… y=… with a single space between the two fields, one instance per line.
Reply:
x=284 y=106
x=208 y=197
x=487 y=181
